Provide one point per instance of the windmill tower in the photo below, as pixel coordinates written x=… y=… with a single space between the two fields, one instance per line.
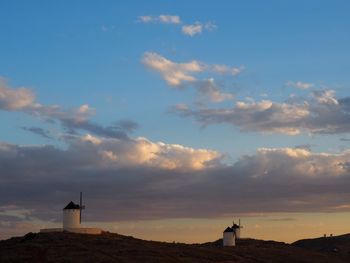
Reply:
x=230 y=234
x=237 y=228
x=229 y=237
x=72 y=214
x=72 y=217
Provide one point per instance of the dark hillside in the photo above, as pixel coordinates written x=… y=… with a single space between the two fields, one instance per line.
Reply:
x=108 y=247
x=336 y=245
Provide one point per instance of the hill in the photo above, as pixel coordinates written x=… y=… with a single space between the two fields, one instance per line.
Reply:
x=336 y=245
x=108 y=247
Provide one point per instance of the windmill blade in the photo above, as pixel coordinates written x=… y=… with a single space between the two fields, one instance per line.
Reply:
x=81 y=205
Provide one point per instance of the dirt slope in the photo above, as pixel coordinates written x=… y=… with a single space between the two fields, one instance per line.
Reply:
x=108 y=247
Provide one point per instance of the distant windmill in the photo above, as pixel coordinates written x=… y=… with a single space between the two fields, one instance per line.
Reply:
x=237 y=229
x=81 y=206
x=72 y=217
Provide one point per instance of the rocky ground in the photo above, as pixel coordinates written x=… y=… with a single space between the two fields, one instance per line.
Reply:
x=108 y=247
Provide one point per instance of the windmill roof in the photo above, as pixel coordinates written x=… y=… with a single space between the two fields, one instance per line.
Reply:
x=235 y=226
x=71 y=205
x=228 y=229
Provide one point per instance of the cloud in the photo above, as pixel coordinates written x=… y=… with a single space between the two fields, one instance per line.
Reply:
x=73 y=120
x=180 y=75
x=325 y=97
x=140 y=179
x=209 y=90
x=224 y=69
x=187 y=29
x=192 y=30
x=163 y=19
x=173 y=73
x=15 y=99
x=99 y=160
x=197 y=28
x=145 y=19
x=169 y=19
x=263 y=116
x=177 y=74
x=320 y=113
x=300 y=85
x=142 y=152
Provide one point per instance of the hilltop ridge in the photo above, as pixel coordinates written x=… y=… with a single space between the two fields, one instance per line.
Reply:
x=110 y=247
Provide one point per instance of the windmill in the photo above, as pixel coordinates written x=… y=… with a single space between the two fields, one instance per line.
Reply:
x=81 y=206
x=237 y=228
x=72 y=216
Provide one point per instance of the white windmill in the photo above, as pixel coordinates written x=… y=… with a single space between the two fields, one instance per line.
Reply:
x=72 y=214
x=229 y=237
x=237 y=228
x=230 y=234
x=72 y=217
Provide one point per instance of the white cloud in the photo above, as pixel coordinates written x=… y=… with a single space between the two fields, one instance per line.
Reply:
x=15 y=99
x=84 y=108
x=182 y=74
x=163 y=19
x=24 y=100
x=263 y=116
x=92 y=139
x=169 y=19
x=320 y=113
x=176 y=74
x=187 y=29
x=224 y=69
x=141 y=151
x=303 y=163
x=173 y=73
x=325 y=97
x=192 y=30
x=300 y=85
x=145 y=19
x=197 y=28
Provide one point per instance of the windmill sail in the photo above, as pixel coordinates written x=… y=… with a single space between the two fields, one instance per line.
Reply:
x=81 y=206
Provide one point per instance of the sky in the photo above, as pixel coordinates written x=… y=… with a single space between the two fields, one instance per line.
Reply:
x=176 y=117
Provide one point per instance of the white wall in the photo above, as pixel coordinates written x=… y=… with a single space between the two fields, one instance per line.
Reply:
x=229 y=239
x=238 y=233
x=71 y=218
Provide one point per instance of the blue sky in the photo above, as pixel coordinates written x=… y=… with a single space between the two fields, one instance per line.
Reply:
x=84 y=52
x=289 y=91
